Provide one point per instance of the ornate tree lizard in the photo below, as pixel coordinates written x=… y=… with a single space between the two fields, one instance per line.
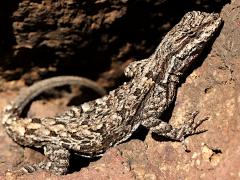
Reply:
x=90 y=129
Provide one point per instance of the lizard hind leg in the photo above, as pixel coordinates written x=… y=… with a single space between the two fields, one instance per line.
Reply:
x=58 y=161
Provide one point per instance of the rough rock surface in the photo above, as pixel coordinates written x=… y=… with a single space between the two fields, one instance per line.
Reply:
x=68 y=37
x=212 y=88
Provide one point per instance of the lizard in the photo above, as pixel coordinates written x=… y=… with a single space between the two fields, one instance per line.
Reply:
x=93 y=127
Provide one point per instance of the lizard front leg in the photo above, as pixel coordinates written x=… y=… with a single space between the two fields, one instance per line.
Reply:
x=58 y=160
x=178 y=134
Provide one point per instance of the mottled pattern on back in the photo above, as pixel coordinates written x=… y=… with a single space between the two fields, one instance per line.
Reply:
x=95 y=126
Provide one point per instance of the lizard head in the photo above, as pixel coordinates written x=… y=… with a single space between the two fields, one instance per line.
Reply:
x=188 y=38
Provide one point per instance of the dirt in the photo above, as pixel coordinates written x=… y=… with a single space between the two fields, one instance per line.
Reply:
x=100 y=39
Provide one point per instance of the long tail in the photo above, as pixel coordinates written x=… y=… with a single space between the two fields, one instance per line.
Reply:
x=15 y=108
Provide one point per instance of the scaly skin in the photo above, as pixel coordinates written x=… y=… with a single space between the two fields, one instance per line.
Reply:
x=95 y=126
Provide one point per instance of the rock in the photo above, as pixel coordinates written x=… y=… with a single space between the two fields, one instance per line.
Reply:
x=212 y=88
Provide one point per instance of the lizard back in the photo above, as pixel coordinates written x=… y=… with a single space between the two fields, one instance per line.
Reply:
x=95 y=126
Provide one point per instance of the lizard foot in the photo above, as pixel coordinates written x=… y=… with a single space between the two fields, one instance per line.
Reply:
x=190 y=127
x=57 y=162
x=179 y=134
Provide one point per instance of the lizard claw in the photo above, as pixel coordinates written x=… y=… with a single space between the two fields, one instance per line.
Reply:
x=190 y=128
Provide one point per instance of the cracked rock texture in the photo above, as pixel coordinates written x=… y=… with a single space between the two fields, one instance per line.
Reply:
x=211 y=87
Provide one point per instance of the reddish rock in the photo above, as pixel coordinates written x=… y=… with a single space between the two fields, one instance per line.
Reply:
x=212 y=88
